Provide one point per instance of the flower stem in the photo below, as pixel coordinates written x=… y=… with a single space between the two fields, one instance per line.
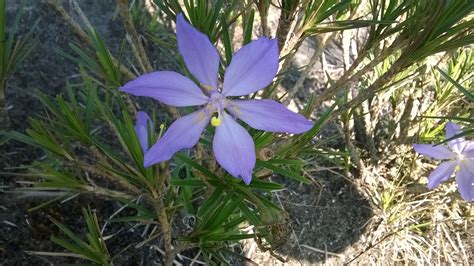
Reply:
x=159 y=207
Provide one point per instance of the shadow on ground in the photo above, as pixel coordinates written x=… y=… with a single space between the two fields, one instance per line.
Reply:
x=328 y=216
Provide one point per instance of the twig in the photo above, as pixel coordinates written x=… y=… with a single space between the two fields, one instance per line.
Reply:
x=263 y=11
x=106 y=192
x=354 y=155
x=349 y=75
x=159 y=207
x=55 y=254
x=291 y=47
x=377 y=86
x=102 y=173
x=134 y=39
x=4 y=120
x=156 y=199
x=81 y=35
x=287 y=18
x=81 y=14
x=325 y=252
x=320 y=46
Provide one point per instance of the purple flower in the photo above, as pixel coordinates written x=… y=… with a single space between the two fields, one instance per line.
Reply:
x=460 y=159
x=141 y=129
x=252 y=68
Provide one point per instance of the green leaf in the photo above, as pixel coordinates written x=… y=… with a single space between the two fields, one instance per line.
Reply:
x=283 y=172
x=213 y=213
x=469 y=95
x=230 y=237
x=265 y=185
x=195 y=182
x=185 y=159
x=225 y=213
x=250 y=215
x=211 y=202
x=227 y=42
x=248 y=27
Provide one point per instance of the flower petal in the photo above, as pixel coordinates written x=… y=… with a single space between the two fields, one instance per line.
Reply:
x=234 y=149
x=141 y=129
x=439 y=152
x=469 y=164
x=465 y=181
x=199 y=54
x=269 y=115
x=442 y=173
x=168 y=87
x=252 y=68
x=457 y=145
x=469 y=149
x=183 y=133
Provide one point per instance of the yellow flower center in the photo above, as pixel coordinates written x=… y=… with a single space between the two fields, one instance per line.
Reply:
x=216 y=121
x=457 y=168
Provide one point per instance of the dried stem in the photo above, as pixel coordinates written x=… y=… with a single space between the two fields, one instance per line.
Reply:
x=349 y=77
x=404 y=122
x=355 y=157
x=291 y=47
x=377 y=86
x=100 y=191
x=134 y=39
x=102 y=173
x=81 y=14
x=157 y=200
x=263 y=11
x=159 y=207
x=320 y=46
x=288 y=52
x=81 y=35
x=285 y=21
x=4 y=121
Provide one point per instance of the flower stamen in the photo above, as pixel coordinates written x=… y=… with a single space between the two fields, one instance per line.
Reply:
x=207 y=87
x=216 y=121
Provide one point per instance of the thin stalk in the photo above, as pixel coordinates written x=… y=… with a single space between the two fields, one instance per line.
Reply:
x=263 y=11
x=159 y=207
x=137 y=47
x=131 y=189
x=291 y=47
x=155 y=196
x=3 y=78
x=317 y=53
x=81 y=35
x=3 y=85
x=3 y=54
x=349 y=77
x=100 y=191
x=287 y=17
x=377 y=86
x=4 y=121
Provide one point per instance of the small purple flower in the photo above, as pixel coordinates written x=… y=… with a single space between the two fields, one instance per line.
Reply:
x=141 y=129
x=460 y=156
x=252 y=68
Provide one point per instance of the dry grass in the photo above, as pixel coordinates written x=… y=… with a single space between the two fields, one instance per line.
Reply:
x=410 y=225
